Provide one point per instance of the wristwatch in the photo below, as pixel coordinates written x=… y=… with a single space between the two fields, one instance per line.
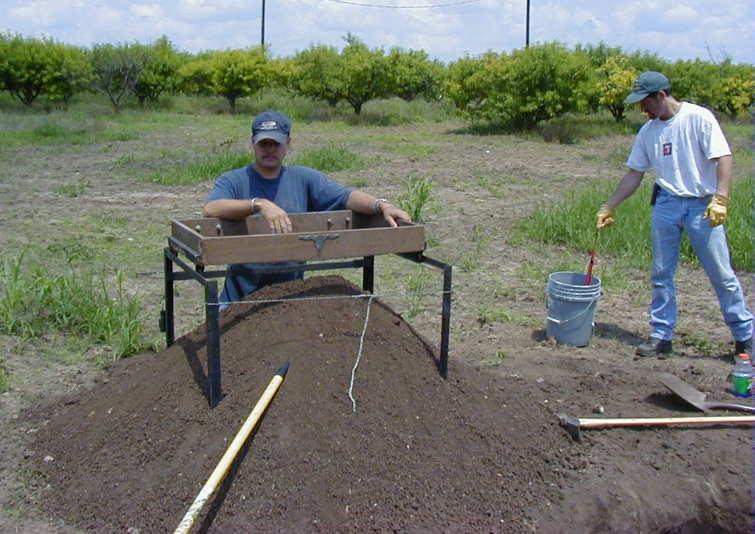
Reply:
x=253 y=205
x=376 y=206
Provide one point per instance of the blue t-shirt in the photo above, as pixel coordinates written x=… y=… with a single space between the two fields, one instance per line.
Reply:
x=296 y=190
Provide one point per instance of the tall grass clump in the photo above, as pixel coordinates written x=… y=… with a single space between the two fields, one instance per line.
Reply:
x=77 y=302
x=572 y=222
x=331 y=158
x=208 y=167
x=416 y=198
x=4 y=381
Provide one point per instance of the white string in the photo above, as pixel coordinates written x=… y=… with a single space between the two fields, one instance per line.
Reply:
x=359 y=356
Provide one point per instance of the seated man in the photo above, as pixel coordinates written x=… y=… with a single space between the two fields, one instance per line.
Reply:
x=273 y=190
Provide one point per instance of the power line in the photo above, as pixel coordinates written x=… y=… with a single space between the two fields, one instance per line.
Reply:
x=423 y=6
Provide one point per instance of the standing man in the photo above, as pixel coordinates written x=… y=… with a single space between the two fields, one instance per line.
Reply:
x=273 y=190
x=684 y=145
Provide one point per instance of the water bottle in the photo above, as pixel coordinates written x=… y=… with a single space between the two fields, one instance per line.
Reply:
x=741 y=377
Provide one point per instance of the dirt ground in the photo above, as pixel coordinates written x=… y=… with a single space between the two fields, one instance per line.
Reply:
x=128 y=448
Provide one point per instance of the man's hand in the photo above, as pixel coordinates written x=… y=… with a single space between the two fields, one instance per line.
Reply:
x=717 y=210
x=275 y=216
x=392 y=214
x=604 y=217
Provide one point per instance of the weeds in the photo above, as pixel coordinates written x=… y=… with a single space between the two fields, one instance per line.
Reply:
x=73 y=190
x=416 y=286
x=470 y=261
x=206 y=168
x=417 y=197
x=334 y=157
x=572 y=222
x=487 y=315
x=77 y=302
x=4 y=381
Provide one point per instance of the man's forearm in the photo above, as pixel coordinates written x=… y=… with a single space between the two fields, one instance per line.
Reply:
x=723 y=172
x=227 y=208
x=361 y=202
x=628 y=185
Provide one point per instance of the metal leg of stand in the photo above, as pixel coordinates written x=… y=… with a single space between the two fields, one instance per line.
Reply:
x=213 y=342
x=168 y=322
x=368 y=274
x=445 y=321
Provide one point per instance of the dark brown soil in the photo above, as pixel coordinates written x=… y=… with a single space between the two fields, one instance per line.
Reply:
x=479 y=452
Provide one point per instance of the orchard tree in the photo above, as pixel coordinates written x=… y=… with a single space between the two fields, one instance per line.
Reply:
x=116 y=70
x=195 y=76
x=238 y=73
x=733 y=91
x=30 y=68
x=546 y=81
x=530 y=85
x=317 y=73
x=72 y=73
x=159 y=70
x=476 y=85
x=616 y=83
x=412 y=74
x=365 y=73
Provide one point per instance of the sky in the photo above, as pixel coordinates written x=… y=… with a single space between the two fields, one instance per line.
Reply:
x=446 y=29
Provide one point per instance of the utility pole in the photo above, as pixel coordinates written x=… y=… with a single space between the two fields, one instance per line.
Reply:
x=527 y=38
x=263 y=21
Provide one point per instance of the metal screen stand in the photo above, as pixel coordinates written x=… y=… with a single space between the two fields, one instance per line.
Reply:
x=197 y=272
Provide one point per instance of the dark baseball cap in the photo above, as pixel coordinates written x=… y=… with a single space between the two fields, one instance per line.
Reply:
x=271 y=125
x=649 y=82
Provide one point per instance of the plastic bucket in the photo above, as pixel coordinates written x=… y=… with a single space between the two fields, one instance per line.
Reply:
x=571 y=308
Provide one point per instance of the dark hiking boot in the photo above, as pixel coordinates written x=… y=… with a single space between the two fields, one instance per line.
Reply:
x=743 y=346
x=655 y=347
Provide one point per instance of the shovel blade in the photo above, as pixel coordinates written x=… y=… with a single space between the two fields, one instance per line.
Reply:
x=686 y=392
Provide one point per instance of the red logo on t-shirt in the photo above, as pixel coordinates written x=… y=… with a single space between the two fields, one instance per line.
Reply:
x=666 y=149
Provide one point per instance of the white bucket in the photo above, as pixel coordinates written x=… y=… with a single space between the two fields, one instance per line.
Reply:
x=571 y=308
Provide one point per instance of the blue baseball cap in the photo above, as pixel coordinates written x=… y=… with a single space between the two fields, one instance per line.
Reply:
x=649 y=82
x=271 y=125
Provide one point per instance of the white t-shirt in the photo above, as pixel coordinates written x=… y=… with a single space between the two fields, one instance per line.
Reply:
x=682 y=151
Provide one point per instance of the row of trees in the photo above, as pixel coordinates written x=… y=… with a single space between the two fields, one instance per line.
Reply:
x=519 y=88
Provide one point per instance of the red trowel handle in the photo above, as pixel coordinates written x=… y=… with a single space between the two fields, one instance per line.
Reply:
x=588 y=276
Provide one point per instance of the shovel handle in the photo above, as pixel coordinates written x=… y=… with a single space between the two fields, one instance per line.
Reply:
x=666 y=421
x=730 y=406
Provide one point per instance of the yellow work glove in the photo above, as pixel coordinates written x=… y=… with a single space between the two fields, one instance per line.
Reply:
x=717 y=211
x=604 y=217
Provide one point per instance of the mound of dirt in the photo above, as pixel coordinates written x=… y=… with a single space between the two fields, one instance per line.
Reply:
x=478 y=452
x=420 y=453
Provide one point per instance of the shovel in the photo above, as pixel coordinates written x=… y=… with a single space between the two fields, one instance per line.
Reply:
x=697 y=398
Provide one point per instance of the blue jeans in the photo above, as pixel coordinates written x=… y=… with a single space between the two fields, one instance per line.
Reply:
x=671 y=216
x=243 y=280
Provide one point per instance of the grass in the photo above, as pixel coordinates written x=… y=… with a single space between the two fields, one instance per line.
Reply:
x=4 y=379
x=499 y=314
x=416 y=199
x=205 y=168
x=33 y=299
x=417 y=285
x=330 y=158
x=572 y=223
x=471 y=260
x=74 y=189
